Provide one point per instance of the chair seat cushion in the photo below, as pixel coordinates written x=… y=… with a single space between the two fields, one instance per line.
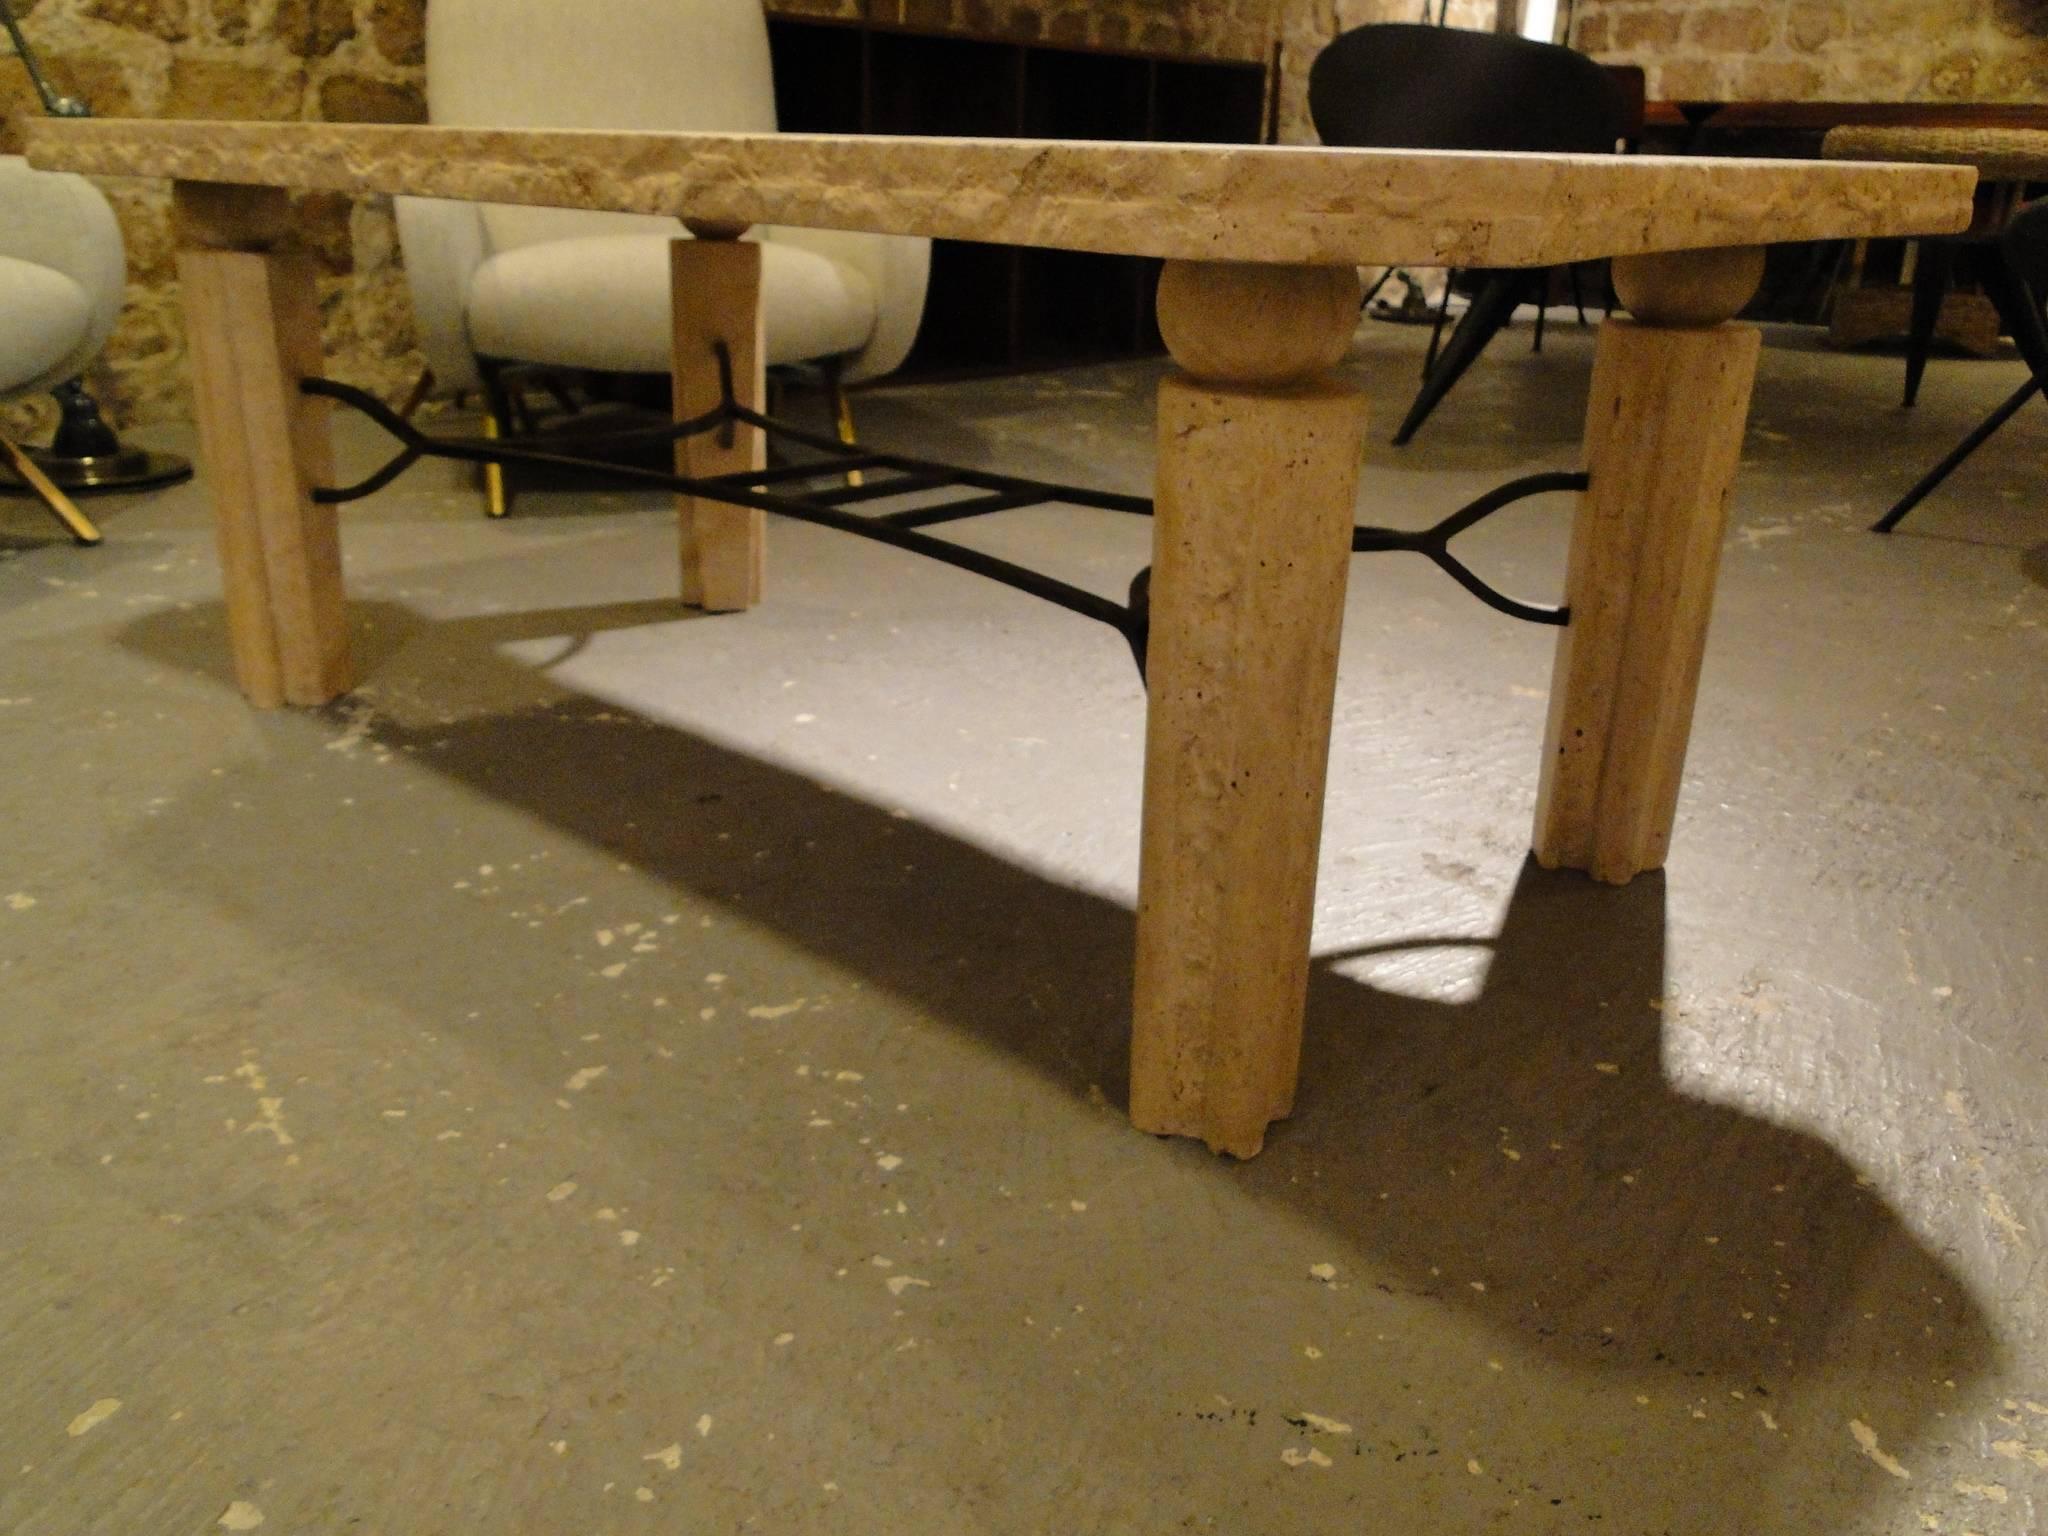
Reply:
x=43 y=317
x=602 y=302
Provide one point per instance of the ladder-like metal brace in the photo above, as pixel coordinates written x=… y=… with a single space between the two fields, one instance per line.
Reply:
x=794 y=490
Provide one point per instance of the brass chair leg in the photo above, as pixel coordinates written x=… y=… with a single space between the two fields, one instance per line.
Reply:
x=60 y=505
x=842 y=415
x=494 y=474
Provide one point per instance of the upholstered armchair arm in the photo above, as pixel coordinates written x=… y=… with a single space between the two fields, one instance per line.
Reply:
x=64 y=223
x=898 y=266
x=444 y=243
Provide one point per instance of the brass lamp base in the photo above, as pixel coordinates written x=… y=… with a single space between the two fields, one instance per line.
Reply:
x=99 y=474
x=86 y=458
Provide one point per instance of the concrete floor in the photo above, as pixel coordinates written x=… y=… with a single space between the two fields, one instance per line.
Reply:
x=631 y=1072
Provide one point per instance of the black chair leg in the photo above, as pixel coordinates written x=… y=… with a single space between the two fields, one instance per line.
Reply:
x=2019 y=313
x=1578 y=292
x=1953 y=462
x=1436 y=332
x=1930 y=286
x=1542 y=311
x=1491 y=309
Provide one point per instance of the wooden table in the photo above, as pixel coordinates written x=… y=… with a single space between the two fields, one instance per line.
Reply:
x=1824 y=116
x=2015 y=155
x=2007 y=158
x=1259 y=453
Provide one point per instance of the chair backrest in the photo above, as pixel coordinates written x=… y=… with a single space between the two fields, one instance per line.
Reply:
x=1633 y=83
x=2024 y=245
x=667 y=65
x=1399 y=86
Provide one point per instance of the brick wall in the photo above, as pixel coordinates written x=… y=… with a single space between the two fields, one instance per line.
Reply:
x=1826 y=50
x=362 y=61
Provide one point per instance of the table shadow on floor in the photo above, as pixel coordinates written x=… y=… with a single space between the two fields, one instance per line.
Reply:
x=1520 y=1159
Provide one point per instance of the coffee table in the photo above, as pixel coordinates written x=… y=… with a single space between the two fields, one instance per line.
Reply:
x=1259 y=453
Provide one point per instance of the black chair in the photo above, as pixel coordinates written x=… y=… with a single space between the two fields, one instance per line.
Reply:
x=1943 y=261
x=1933 y=276
x=1401 y=86
x=2016 y=280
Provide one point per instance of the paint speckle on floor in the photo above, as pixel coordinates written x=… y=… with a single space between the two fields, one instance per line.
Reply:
x=1327 y=1273
x=270 y=1117
x=776 y=1010
x=1304 y=1456
x=1316 y=1424
x=2019 y=1450
x=1866 y=1439
x=2002 y=1216
x=670 y=1456
x=240 y=1516
x=93 y=1417
x=584 y=1077
x=562 y=1191
x=898 y=1284
x=20 y=901
x=888 y=1162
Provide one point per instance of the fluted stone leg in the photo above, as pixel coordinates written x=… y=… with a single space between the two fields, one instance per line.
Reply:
x=254 y=322
x=1259 y=452
x=716 y=288
x=1664 y=427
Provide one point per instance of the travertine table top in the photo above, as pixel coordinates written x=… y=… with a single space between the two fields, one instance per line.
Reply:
x=1999 y=154
x=1190 y=201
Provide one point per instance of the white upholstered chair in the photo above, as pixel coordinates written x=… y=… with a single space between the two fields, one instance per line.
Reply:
x=62 y=272
x=574 y=289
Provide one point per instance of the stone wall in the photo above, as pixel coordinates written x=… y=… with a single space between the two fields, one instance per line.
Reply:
x=362 y=61
x=1825 y=50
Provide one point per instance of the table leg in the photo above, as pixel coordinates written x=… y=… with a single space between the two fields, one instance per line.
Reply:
x=1664 y=427
x=253 y=319
x=716 y=288
x=1258 y=466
